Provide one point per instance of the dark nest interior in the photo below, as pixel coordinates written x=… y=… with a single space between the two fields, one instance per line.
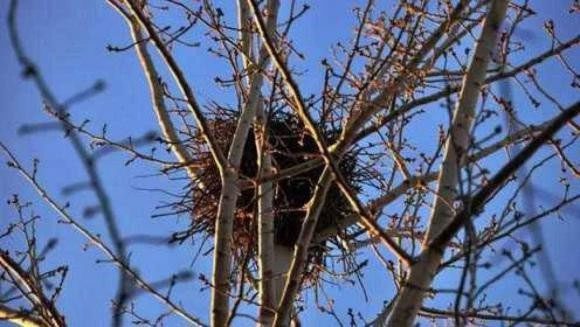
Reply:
x=289 y=145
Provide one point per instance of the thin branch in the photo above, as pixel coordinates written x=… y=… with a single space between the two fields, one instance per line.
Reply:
x=60 y=111
x=95 y=240
x=437 y=313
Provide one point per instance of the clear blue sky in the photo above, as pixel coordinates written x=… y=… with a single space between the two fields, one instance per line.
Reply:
x=67 y=39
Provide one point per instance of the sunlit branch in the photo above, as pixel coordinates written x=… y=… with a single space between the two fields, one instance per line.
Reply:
x=181 y=82
x=422 y=273
x=157 y=94
x=49 y=314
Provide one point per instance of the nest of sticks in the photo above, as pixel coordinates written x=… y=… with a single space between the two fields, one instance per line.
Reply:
x=289 y=145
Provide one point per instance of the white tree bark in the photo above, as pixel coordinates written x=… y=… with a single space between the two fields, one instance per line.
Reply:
x=273 y=260
x=137 y=13
x=266 y=256
x=229 y=192
x=168 y=130
x=283 y=256
x=423 y=271
x=460 y=133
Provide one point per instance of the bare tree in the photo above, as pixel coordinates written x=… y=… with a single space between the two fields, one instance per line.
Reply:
x=292 y=186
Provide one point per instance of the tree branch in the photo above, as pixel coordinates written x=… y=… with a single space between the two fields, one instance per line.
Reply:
x=95 y=240
x=181 y=82
x=157 y=94
x=422 y=273
x=49 y=314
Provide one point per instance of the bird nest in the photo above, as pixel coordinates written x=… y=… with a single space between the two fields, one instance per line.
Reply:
x=289 y=145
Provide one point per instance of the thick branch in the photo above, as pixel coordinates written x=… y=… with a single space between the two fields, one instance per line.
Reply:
x=19 y=318
x=157 y=98
x=460 y=131
x=48 y=312
x=422 y=273
x=265 y=226
x=181 y=81
x=229 y=192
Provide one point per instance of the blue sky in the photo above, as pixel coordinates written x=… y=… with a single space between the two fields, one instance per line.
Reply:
x=68 y=41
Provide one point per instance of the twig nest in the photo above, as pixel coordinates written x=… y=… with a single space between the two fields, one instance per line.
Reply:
x=289 y=145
